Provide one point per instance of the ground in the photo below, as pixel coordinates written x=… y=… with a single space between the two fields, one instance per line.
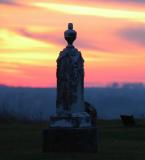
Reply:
x=23 y=141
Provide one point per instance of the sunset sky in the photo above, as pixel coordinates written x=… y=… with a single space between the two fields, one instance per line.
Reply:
x=111 y=38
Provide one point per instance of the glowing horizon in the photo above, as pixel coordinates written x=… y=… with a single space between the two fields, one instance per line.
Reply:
x=111 y=37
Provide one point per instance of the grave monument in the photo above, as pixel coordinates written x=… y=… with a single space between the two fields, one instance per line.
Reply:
x=70 y=128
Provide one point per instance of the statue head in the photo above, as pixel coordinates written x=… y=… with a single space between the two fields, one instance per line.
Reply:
x=70 y=34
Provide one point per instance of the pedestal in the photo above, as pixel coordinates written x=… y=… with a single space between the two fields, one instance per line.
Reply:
x=70 y=140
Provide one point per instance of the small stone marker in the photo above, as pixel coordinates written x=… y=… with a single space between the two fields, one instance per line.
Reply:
x=128 y=120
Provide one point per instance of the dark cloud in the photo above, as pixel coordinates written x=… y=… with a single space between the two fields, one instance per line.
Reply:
x=85 y=44
x=13 y=3
x=10 y=2
x=45 y=37
x=134 y=34
x=57 y=38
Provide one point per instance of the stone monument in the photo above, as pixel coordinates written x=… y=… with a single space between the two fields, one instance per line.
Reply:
x=71 y=125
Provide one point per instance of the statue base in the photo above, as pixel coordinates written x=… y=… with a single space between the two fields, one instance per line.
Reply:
x=72 y=120
x=70 y=140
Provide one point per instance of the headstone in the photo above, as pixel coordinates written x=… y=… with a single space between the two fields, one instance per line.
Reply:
x=71 y=128
x=128 y=120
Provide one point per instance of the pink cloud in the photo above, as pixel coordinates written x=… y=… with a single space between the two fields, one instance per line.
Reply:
x=57 y=38
x=134 y=34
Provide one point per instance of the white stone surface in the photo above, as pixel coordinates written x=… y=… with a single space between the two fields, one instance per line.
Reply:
x=62 y=123
x=82 y=118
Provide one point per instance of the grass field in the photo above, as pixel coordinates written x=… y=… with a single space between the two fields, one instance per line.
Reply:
x=23 y=141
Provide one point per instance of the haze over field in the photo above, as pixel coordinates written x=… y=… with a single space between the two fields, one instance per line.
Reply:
x=111 y=36
x=39 y=103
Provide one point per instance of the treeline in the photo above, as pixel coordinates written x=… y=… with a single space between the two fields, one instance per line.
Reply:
x=39 y=103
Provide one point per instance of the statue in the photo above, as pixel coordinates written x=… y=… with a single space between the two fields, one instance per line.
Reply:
x=70 y=105
x=73 y=127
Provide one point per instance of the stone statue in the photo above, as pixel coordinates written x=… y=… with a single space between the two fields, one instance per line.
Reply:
x=70 y=106
x=73 y=127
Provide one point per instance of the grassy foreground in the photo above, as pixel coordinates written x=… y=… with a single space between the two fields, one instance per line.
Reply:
x=23 y=141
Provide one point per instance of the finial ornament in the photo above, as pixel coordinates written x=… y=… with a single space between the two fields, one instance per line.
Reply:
x=70 y=25
x=70 y=34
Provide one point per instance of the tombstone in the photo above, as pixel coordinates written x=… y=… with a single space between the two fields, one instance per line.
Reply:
x=128 y=120
x=71 y=128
